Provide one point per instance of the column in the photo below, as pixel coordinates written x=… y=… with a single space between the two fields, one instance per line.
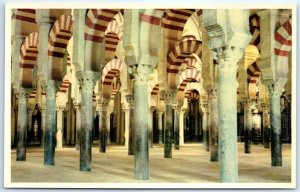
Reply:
x=126 y=110
x=78 y=125
x=160 y=126
x=170 y=98
x=49 y=145
x=87 y=85
x=214 y=129
x=266 y=126
x=60 y=125
x=275 y=117
x=130 y=101
x=141 y=153
x=181 y=127
x=43 y=112
x=103 y=126
x=30 y=131
x=247 y=125
x=176 y=125
x=205 y=126
x=110 y=109
x=22 y=124
x=150 y=126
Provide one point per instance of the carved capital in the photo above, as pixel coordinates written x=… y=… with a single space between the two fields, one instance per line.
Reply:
x=170 y=97
x=22 y=95
x=276 y=90
x=77 y=107
x=176 y=108
x=130 y=100
x=87 y=84
x=60 y=108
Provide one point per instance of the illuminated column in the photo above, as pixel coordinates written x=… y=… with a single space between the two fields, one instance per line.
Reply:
x=266 y=126
x=160 y=126
x=60 y=127
x=204 y=108
x=103 y=125
x=78 y=125
x=126 y=109
x=214 y=126
x=181 y=127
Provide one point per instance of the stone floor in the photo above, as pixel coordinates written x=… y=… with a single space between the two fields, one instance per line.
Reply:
x=189 y=164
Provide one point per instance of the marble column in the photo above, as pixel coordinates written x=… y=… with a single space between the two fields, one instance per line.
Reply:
x=170 y=98
x=214 y=126
x=87 y=85
x=30 y=130
x=275 y=119
x=247 y=125
x=150 y=126
x=22 y=124
x=110 y=109
x=130 y=101
x=160 y=127
x=43 y=112
x=60 y=127
x=176 y=126
x=205 y=126
x=126 y=110
x=49 y=145
x=78 y=125
x=266 y=126
x=103 y=132
x=181 y=127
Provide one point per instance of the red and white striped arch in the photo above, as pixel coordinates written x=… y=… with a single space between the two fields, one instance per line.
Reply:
x=59 y=37
x=153 y=89
x=32 y=94
x=64 y=86
x=255 y=30
x=253 y=74
x=113 y=35
x=115 y=89
x=27 y=15
x=27 y=59
x=189 y=75
x=96 y=22
x=283 y=39
x=192 y=95
x=190 y=62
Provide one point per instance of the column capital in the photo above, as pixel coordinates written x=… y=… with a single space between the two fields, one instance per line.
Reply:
x=130 y=100
x=87 y=83
x=152 y=109
x=176 y=108
x=102 y=106
x=50 y=84
x=248 y=103
x=60 y=108
x=278 y=88
x=77 y=107
x=22 y=95
x=31 y=108
x=212 y=93
x=170 y=97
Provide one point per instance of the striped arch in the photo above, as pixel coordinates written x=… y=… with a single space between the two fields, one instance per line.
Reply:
x=115 y=89
x=253 y=74
x=191 y=62
x=283 y=39
x=192 y=94
x=59 y=37
x=255 y=30
x=153 y=90
x=96 y=21
x=177 y=56
x=32 y=94
x=188 y=37
x=27 y=15
x=111 y=70
x=64 y=86
x=113 y=35
x=68 y=59
x=189 y=75
x=27 y=59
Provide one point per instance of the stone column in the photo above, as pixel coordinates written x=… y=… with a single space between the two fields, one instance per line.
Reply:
x=160 y=126
x=110 y=109
x=176 y=126
x=126 y=110
x=78 y=125
x=266 y=126
x=205 y=126
x=49 y=145
x=87 y=85
x=141 y=151
x=30 y=131
x=214 y=126
x=60 y=127
x=43 y=111
x=275 y=117
x=17 y=41
x=150 y=126
x=130 y=102
x=22 y=124
x=181 y=127
x=103 y=132
x=247 y=125
x=170 y=98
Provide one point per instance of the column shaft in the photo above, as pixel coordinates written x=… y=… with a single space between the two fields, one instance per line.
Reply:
x=78 y=126
x=247 y=128
x=176 y=127
x=43 y=125
x=103 y=130
x=59 y=133
x=127 y=121
x=170 y=100
x=131 y=147
x=22 y=126
x=150 y=127
x=205 y=129
x=181 y=128
x=49 y=148
x=214 y=129
x=266 y=128
x=160 y=127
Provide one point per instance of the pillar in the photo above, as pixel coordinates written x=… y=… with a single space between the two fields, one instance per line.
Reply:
x=60 y=125
x=214 y=126
x=49 y=137
x=78 y=125
x=43 y=112
x=266 y=126
x=275 y=118
x=108 y=113
x=30 y=130
x=247 y=125
x=130 y=101
x=181 y=127
x=22 y=124
x=205 y=126
x=176 y=126
x=150 y=126
x=126 y=110
x=160 y=126
x=87 y=85
x=170 y=98
x=103 y=132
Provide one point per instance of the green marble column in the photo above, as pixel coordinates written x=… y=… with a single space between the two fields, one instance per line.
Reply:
x=130 y=102
x=87 y=85
x=141 y=153
x=275 y=117
x=170 y=98
x=22 y=124
x=103 y=132
x=50 y=131
x=214 y=127
x=176 y=125
x=227 y=105
x=247 y=126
